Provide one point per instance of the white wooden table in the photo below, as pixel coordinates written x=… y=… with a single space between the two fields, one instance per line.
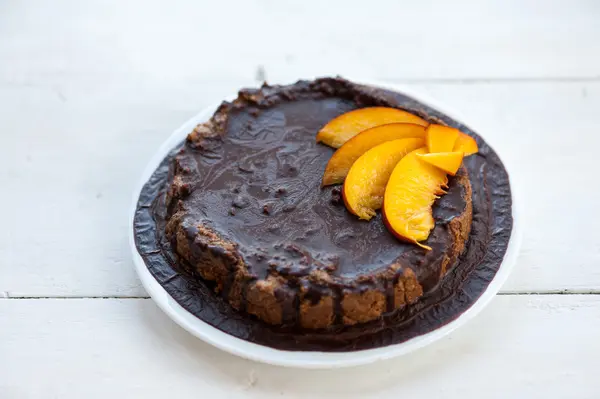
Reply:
x=88 y=90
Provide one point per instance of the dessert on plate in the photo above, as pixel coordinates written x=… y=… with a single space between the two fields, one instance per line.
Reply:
x=323 y=205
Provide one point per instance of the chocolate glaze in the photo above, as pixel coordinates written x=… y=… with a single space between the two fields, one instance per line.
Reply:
x=250 y=190
x=256 y=182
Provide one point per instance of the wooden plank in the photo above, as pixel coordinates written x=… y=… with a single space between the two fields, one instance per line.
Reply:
x=522 y=346
x=546 y=135
x=68 y=168
x=109 y=42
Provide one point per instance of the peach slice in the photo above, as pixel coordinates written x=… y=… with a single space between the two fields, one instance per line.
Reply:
x=341 y=129
x=465 y=143
x=449 y=162
x=338 y=166
x=365 y=184
x=441 y=138
x=411 y=190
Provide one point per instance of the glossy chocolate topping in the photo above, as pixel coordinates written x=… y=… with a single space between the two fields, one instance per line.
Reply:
x=258 y=185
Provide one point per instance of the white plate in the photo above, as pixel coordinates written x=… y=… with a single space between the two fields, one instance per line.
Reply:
x=308 y=359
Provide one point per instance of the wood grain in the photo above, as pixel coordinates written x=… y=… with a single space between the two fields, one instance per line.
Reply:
x=88 y=90
x=70 y=171
x=520 y=347
x=111 y=43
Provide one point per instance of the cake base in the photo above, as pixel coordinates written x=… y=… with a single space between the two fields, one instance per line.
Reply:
x=244 y=209
x=492 y=220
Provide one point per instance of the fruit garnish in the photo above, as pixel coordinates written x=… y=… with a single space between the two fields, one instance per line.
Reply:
x=366 y=181
x=341 y=129
x=411 y=190
x=466 y=144
x=393 y=160
x=449 y=162
x=340 y=163
x=441 y=138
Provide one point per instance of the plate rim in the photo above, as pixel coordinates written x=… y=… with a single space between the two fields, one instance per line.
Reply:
x=311 y=359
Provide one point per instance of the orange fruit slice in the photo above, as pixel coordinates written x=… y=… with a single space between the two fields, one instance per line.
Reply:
x=412 y=188
x=341 y=129
x=449 y=162
x=441 y=138
x=340 y=163
x=366 y=181
x=466 y=144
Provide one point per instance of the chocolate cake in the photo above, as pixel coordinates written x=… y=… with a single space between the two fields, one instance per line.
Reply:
x=244 y=211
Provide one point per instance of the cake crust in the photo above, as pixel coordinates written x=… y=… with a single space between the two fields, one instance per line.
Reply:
x=293 y=283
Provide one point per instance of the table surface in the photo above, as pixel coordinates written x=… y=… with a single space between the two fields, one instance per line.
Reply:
x=89 y=90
